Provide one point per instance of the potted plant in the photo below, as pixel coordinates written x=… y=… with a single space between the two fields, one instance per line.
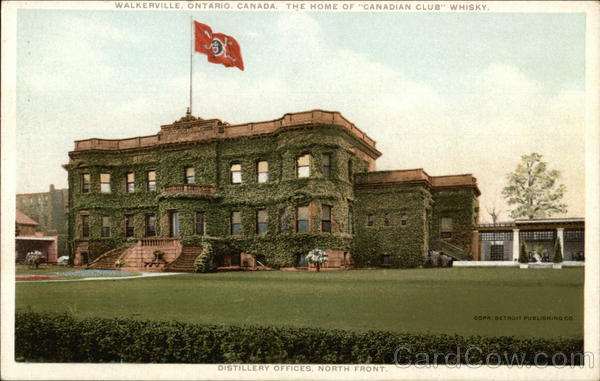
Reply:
x=317 y=257
x=558 y=258
x=523 y=257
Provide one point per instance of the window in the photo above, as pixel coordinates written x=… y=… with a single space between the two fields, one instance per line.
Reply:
x=350 y=170
x=236 y=223
x=446 y=227
x=386 y=260
x=262 y=168
x=190 y=175
x=85 y=183
x=105 y=182
x=151 y=175
x=200 y=224
x=326 y=219
x=350 y=222
x=574 y=235
x=536 y=235
x=129 y=182
x=174 y=228
x=497 y=252
x=105 y=226
x=370 y=219
x=150 y=225
x=496 y=236
x=404 y=220
x=129 y=225
x=386 y=219
x=284 y=220
x=302 y=219
x=301 y=260
x=236 y=173
x=85 y=225
x=262 y=221
x=303 y=165
x=326 y=165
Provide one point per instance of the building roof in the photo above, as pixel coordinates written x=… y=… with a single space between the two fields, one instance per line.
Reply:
x=34 y=238
x=418 y=175
x=535 y=224
x=190 y=128
x=548 y=220
x=23 y=219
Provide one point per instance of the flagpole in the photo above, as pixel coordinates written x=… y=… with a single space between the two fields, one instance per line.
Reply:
x=191 y=53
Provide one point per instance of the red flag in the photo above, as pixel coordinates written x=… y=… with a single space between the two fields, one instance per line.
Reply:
x=219 y=48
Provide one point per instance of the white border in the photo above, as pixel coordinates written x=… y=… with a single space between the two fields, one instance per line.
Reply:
x=12 y=370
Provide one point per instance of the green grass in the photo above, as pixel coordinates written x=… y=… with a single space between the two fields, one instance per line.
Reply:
x=420 y=300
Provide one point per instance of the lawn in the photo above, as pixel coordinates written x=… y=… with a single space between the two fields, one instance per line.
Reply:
x=420 y=300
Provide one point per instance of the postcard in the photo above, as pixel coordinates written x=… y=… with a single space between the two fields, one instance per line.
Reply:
x=300 y=190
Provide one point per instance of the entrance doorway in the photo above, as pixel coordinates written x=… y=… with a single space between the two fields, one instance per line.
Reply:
x=497 y=252
x=302 y=262
x=174 y=224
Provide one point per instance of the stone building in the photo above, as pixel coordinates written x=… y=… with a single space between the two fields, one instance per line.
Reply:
x=501 y=241
x=49 y=209
x=262 y=194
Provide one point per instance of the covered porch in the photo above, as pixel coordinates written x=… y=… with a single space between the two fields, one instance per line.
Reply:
x=501 y=241
x=48 y=245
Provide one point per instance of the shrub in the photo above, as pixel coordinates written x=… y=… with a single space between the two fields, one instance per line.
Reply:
x=558 y=258
x=523 y=257
x=44 y=337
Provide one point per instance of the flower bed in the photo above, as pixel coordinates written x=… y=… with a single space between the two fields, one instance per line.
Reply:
x=37 y=277
x=96 y=273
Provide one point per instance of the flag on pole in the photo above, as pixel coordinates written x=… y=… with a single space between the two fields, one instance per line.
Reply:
x=219 y=48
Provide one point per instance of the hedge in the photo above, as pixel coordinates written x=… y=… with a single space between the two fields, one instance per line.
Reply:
x=45 y=337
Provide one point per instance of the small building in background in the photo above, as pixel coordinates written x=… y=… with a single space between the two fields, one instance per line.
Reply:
x=28 y=238
x=50 y=210
x=501 y=241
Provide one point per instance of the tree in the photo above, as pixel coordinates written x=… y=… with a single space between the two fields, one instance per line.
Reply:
x=558 y=258
x=494 y=213
x=534 y=190
x=523 y=257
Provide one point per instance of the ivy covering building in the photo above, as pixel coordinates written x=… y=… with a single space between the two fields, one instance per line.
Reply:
x=259 y=194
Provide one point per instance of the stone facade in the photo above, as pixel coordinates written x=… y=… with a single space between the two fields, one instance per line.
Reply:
x=267 y=192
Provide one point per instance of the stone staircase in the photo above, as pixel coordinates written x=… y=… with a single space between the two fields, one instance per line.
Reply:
x=185 y=261
x=450 y=250
x=107 y=260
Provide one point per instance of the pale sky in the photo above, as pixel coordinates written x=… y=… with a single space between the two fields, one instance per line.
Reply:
x=450 y=93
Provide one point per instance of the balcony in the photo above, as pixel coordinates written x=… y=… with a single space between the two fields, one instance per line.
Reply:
x=200 y=189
